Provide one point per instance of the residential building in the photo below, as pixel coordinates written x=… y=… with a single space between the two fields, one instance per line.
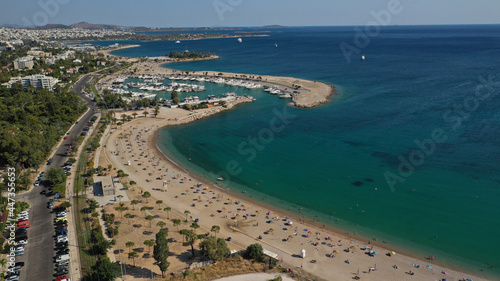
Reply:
x=36 y=81
x=24 y=63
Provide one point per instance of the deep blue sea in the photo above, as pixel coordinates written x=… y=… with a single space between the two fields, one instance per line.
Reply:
x=416 y=111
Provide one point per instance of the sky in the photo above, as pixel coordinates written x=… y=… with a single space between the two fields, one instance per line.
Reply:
x=212 y=13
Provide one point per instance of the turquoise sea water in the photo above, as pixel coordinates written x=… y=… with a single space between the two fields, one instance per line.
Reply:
x=332 y=161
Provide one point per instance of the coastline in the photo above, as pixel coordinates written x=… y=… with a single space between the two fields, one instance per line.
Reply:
x=262 y=205
x=286 y=250
x=306 y=93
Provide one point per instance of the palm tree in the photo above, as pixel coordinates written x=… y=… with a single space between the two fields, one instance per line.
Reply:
x=159 y=202
x=129 y=244
x=186 y=212
x=133 y=202
x=124 y=118
x=167 y=209
x=161 y=224
x=145 y=113
x=120 y=197
x=177 y=222
x=149 y=218
x=132 y=183
x=133 y=255
x=215 y=229
x=157 y=110
x=144 y=208
x=149 y=243
x=134 y=114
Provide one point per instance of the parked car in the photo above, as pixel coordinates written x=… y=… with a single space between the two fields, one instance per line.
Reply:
x=61 y=272
x=23 y=224
x=24 y=242
x=59 y=208
x=62 y=220
x=61 y=263
x=62 y=231
x=62 y=258
x=62 y=238
x=62 y=278
x=19 y=253
x=63 y=251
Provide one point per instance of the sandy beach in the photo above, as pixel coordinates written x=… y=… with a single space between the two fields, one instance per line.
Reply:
x=329 y=255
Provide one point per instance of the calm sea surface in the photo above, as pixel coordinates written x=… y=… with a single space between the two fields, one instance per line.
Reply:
x=332 y=162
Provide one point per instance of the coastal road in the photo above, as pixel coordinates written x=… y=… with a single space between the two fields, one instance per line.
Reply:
x=40 y=249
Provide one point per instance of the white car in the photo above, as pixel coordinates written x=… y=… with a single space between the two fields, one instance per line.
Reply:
x=61 y=215
x=22 y=242
x=24 y=213
x=23 y=218
x=62 y=238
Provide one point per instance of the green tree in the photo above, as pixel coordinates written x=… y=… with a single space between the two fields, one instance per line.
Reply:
x=161 y=224
x=194 y=225
x=145 y=113
x=191 y=238
x=129 y=244
x=150 y=244
x=215 y=229
x=121 y=208
x=144 y=209
x=133 y=203
x=66 y=205
x=134 y=114
x=157 y=111
x=93 y=204
x=161 y=251
x=159 y=202
x=56 y=176
x=149 y=218
x=133 y=255
x=186 y=212
x=146 y=195
x=167 y=209
x=128 y=216
x=214 y=248
x=255 y=251
x=107 y=270
x=177 y=222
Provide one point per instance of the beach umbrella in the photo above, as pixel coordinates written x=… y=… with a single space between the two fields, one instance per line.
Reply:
x=335 y=252
x=290 y=222
x=375 y=253
x=290 y=236
x=393 y=253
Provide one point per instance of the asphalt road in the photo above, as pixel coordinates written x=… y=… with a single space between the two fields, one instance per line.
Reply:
x=40 y=248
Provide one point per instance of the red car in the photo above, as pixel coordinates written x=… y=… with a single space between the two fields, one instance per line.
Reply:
x=65 y=138
x=62 y=278
x=23 y=223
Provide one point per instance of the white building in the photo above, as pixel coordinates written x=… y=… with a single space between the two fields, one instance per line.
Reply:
x=36 y=81
x=24 y=63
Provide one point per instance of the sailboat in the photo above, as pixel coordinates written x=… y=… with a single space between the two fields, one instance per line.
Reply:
x=276 y=45
x=177 y=42
x=363 y=57
x=240 y=40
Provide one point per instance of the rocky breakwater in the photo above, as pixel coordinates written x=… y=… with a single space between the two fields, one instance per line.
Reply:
x=200 y=114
